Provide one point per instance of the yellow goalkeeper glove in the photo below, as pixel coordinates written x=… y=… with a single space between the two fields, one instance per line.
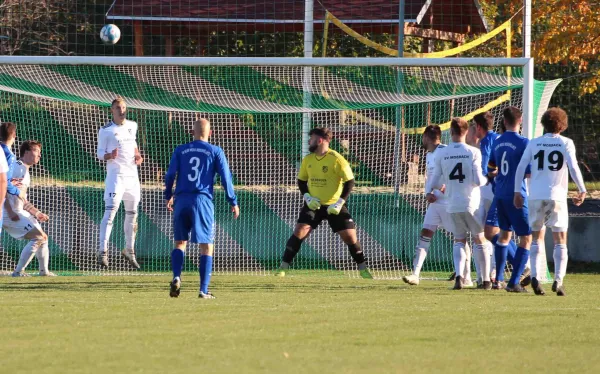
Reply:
x=312 y=202
x=336 y=207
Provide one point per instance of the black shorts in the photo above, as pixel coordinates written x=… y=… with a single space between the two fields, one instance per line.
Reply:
x=313 y=218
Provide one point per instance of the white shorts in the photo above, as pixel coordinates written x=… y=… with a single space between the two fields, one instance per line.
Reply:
x=120 y=187
x=18 y=229
x=437 y=216
x=467 y=222
x=551 y=213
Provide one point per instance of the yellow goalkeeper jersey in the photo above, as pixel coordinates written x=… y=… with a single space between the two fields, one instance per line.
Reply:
x=325 y=175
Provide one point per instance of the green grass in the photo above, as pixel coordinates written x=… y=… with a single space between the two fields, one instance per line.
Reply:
x=292 y=325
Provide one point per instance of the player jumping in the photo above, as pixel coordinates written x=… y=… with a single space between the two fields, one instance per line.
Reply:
x=118 y=147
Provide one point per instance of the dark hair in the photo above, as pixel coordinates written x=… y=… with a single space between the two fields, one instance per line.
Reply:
x=28 y=145
x=555 y=120
x=118 y=99
x=323 y=132
x=484 y=120
x=512 y=115
x=459 y=126
x=433 y=132
x=7 y=131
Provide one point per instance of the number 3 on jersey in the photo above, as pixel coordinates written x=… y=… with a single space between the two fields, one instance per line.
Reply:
x=195 y=162
x=457 y=173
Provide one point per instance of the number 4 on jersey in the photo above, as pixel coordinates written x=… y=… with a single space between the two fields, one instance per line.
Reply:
x=457 y=173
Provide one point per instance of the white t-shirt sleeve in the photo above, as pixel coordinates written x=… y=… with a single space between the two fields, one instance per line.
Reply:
x=478 y=178
x=522 y=167
x=102 y=144
x=574 y=166
x=436 y=175
x=3 y=163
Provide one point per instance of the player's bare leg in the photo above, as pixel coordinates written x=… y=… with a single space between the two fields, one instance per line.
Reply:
x=177 y=259
x=349 y=237
x=130 y=228
x=419 y=258
x=292 y=247
x=37 y=240
x=206 y=254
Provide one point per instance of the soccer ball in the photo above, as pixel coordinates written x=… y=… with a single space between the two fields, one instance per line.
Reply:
x=110 y=34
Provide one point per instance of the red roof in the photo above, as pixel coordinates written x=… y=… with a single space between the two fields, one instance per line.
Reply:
x=448 y=15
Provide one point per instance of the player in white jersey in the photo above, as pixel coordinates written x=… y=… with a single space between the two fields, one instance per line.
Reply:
x=460 y=166
x=21 y=218
x=118 y=147
x=552 y=158
x=436 y=214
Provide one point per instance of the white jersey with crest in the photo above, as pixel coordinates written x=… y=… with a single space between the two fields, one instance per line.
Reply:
x=19 y=171
x=123 y=137
x=430 y=164
x=459 y=165
x=552 y=157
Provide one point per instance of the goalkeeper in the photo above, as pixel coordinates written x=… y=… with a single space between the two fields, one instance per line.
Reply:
x=326 y=180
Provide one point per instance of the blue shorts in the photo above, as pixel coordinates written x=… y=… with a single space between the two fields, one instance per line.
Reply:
x=492 y=215
x=194 y=219
x=511 y=218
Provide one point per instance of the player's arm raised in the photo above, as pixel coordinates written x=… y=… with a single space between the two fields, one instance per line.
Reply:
x=227 y=181
x=170 y=179
x=520 y=175
x=575 y=172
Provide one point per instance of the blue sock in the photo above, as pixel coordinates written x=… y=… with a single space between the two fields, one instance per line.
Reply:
x=177 y=258
x=512 y=249
x=205 y=272
x=500 y=253
x=521 y=257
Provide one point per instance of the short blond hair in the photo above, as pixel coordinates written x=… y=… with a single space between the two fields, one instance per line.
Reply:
x=118 y=99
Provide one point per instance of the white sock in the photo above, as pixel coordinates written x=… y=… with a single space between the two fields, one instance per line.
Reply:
x=27 y=254
x=492 y=261
x=420 y=254
x=467 y=269
x=43 y=257
x=533 y=257
x=485 y=260
x=477 y=268
x=130 y=225
x=561 y=257
x=106 y=227
x=460 y=256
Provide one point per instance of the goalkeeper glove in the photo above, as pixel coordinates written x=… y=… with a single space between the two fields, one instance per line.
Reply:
x=336 y=207
x=312 y=202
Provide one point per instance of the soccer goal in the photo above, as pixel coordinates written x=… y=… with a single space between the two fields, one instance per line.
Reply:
x=261 y=110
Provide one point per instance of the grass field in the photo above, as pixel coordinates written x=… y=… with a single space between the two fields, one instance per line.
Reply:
x=297 y=324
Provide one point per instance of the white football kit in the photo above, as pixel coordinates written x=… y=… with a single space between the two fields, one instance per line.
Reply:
x=460 y=166
x=552 y=158
x=26 y=222
x=122 y=182
x=436 y=214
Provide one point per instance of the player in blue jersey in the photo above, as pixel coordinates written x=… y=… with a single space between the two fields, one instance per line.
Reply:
x=506 y=154
x=194 y=166
x=484 y=123
x=8 y=135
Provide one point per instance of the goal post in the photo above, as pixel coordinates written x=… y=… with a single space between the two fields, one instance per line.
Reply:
x=257 y=107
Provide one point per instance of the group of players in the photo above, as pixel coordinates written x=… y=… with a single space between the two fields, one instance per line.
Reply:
x=480 y=188
x=477 y=188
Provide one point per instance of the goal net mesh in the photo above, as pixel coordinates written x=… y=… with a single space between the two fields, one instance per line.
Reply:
x=257 y=114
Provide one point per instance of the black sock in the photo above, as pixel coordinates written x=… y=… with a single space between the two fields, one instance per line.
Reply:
x=292 y=247
x=356 y=252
